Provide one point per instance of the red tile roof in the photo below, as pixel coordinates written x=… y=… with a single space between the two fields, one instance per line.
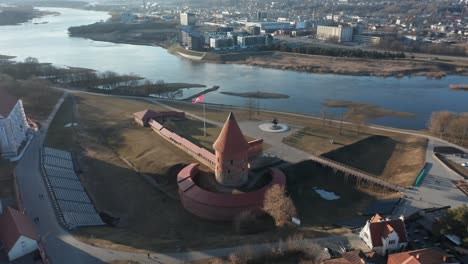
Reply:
x=420 y=256
x=381 y=228
x=14 y=224
x=231 y=138
x=7 y=102
x=145 y=114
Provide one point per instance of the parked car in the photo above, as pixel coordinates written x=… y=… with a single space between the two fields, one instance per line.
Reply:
x=465 y=164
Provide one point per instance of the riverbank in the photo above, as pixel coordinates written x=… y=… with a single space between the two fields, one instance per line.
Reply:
x=333 y=65
x=148 y=33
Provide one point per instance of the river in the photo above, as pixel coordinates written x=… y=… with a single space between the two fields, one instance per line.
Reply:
x=50 y=43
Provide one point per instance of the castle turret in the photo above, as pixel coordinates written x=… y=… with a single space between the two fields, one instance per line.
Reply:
x=231 y=154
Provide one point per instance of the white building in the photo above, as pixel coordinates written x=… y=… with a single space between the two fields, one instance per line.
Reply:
x=17 y=234
x=343 y=34
x=384 y=236
x=14 y=127
x=187 y=19
x=222 y=43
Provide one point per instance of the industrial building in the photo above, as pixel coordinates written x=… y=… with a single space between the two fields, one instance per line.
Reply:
x=341 y=33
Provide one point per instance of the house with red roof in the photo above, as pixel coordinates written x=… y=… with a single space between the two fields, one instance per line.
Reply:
x=384 y=235
x=14 y=126
x=17 y=234
x=422 y=256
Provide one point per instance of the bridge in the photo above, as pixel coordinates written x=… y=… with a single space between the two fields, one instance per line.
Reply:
x=360 y=176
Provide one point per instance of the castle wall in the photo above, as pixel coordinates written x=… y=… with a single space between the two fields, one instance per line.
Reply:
x=220 y=206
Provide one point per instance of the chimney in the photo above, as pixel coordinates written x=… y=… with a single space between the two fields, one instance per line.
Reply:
x=417 y=256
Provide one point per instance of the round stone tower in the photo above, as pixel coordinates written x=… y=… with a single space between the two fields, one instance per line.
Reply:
x=231 y=155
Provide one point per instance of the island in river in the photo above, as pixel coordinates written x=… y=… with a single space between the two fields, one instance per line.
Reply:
x=362 y=112
x=261 y=95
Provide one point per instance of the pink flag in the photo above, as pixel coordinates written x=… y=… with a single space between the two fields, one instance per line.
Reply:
x=199 y=99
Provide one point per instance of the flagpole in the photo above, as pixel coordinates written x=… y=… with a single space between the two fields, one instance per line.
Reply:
x=204 y=121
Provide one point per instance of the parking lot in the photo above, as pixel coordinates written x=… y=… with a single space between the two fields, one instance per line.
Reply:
x=458 y=158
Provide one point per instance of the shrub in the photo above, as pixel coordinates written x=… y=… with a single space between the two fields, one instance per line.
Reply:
x=278 y=205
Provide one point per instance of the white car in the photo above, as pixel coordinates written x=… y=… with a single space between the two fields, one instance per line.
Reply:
x=465 y=164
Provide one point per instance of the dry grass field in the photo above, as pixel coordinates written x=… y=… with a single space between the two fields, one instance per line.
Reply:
x=394 y=157
x=150 y=219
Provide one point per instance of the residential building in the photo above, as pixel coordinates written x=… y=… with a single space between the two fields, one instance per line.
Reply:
x=354 y=257
x=187 y=19
x=250 y=41
x=17 y=234
x=222 y=43
x=127 y=17
x=439 y=28
x=14 y=128
x=253 y=30
x=340 y=33
x=422 y=256
x=383 y=235
x=192 y=39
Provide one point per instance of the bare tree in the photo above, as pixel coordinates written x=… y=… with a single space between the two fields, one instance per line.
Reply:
x=324 y=115
x=251 y=105
x=440 y=121
x=278 y=205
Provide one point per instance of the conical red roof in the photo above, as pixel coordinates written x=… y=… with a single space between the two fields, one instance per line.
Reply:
x=231 y=138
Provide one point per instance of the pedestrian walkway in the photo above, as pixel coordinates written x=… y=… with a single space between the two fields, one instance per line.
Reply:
x=71 y=202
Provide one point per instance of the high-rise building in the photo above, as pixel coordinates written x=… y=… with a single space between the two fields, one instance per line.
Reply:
x=187 y=19
x=262 y=15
